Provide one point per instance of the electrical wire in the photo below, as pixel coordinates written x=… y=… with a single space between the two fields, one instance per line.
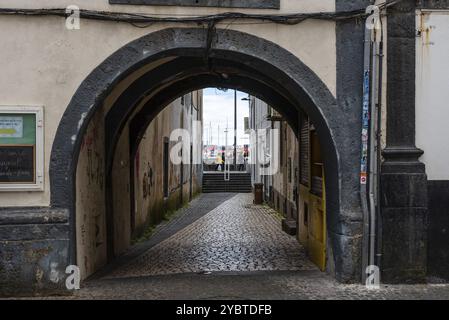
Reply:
x=144 y=20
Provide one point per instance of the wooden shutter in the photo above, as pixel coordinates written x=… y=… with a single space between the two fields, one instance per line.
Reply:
x=304 y=145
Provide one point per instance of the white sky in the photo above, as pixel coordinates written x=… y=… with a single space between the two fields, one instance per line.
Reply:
x=219 y=107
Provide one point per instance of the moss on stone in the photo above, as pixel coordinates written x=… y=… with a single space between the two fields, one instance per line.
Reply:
x=164 y=210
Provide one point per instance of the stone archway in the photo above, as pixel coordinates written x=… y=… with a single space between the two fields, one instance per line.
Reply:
x=293 y=84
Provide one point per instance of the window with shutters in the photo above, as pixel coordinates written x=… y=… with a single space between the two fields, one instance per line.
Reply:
x=281 y=144
x=304 y=154
x=166 y=168
x=254 y=4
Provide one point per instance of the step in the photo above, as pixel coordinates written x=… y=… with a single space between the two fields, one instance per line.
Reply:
x=221 y=175
x=228 y=187
x=227 y=190
x=222 y=178
x=239 y=182
x=228 y=182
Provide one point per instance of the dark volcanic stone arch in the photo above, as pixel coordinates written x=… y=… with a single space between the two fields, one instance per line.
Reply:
x=273 y=67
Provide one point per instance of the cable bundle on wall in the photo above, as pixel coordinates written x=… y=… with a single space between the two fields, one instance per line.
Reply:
x=133 y=18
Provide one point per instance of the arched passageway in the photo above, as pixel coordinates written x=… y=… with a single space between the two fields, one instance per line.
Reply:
x=135 y=83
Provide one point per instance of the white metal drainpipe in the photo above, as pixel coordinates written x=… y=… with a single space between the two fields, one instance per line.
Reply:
x=370 y=126
x=380 y=56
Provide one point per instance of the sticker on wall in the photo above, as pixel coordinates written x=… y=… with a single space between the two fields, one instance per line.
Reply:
x=11 y=127
x=363 y=178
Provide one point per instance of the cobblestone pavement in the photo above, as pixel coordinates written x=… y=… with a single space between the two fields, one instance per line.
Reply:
x=235 y=236
x=264 y=285
x=235 y=251
x=196 y=209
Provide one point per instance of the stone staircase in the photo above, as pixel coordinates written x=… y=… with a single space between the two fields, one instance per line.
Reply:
x=214 y=182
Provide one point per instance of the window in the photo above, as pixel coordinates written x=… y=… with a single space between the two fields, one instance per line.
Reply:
x=306 y=214
x=21 y=148
x=256 y=4
x=166 y=166
x=304 y=146
x=281 y=144
x=289 y=170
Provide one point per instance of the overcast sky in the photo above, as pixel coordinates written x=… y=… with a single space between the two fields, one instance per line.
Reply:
x=219 y=107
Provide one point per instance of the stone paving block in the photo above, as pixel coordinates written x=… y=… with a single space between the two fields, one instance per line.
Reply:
x=235 y=236
x=236 y=251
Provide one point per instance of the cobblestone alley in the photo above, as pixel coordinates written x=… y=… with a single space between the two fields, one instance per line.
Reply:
x=224 y=247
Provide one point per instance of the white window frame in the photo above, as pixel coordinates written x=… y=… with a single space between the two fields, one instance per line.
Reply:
x=38 y=111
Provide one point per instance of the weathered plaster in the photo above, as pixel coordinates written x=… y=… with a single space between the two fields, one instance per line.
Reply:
x=65 y=58
x=255 y=4
x=90 y=207
x=121 y=196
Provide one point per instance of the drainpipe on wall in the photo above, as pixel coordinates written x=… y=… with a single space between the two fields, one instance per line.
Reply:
x=379 y=148
x=374 y=131
x=364 y=154
x=370 y=127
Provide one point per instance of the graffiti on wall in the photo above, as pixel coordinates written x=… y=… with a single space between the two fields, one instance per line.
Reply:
x=94 y=168
x=148 y=181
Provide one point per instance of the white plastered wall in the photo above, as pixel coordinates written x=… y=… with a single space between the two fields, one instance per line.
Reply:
x=432 y=92
x=44 y=63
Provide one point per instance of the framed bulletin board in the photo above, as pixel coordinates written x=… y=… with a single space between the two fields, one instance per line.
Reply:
x=18 y=164
x=21 y=148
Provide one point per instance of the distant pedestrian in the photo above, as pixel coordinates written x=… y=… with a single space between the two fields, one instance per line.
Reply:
x=218 y=163
x=223 y=160
x=241 y=162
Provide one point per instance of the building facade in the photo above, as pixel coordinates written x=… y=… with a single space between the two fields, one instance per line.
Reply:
x=107 y=76
x=296 y=187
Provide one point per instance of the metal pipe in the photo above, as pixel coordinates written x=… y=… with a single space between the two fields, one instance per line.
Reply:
x=372 y=176
x=369 y=158
x=235 y=130
x=227 y=173
x=375 y=143
x=379 y=151
x=364 y=152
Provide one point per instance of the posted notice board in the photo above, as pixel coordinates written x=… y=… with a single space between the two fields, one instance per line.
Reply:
x=17 y=148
